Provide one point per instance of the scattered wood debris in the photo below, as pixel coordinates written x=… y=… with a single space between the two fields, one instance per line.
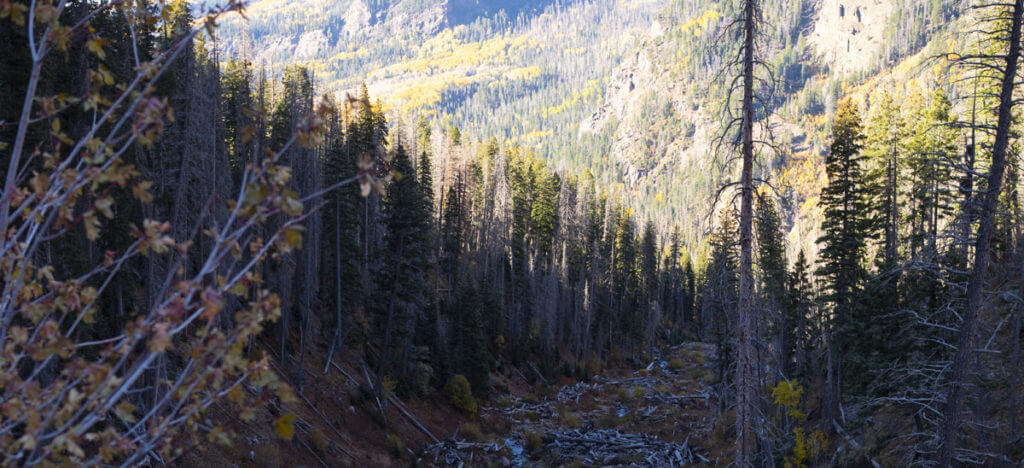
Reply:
x=609 y=447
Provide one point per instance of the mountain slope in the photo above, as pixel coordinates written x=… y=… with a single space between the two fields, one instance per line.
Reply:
x=630 y=90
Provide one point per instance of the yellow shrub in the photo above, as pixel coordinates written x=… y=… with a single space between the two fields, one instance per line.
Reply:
x=461 y=395
x=471 y=431
x=788 y=394
x=533 y=442
x=395 y=445
x=805 y=448
x=318 y=440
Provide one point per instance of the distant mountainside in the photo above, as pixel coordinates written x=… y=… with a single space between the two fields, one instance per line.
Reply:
x=279 y=29
x=630 y=90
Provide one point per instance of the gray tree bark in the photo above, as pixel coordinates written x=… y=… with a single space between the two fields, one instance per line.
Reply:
x=975 y=286
x=745 y=333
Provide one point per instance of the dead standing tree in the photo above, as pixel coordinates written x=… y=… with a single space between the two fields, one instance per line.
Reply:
x=1006 y=27
x=755 y=98
x=745 y=333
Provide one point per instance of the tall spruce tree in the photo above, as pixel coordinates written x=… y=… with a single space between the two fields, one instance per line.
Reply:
x=626 y=277
x=403 y=288
x=841 y=264
x=804 y=331
x=884 y=134
x=719 y=294
x=673 y=282
x=469 y=342
x=650 y=287
x=771 y=260
x=931 y=145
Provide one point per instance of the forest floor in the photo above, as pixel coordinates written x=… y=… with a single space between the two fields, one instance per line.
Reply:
x=659 y=415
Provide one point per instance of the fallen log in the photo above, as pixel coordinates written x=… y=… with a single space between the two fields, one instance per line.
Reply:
x=397 y=404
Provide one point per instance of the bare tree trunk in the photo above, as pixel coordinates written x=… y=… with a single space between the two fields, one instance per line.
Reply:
x=745 y=333
x=965 y=343
x=1015 y=357
x=337 y=285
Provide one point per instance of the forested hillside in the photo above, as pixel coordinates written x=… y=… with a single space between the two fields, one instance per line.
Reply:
x=528 y=233
x=630 y=91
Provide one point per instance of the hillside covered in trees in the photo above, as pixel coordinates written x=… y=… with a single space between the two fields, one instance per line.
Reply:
x=527 y=233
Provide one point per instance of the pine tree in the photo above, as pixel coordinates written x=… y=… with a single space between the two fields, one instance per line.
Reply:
x=521 y=185
x=886 y=145
x=771 y=258
x=718 y=298
x=689 y=295
x=425 y=179
x=931 y=146
x=423 y=135
x=798 y=313
x=544 y=210
x=650 y=289
x=343 y=286
x=884 y=136
x=238 y=109
x=845 y=226
x=673 y=285
x=626 y=279
x=403 y=289
x=452 y=225
x=469 y=342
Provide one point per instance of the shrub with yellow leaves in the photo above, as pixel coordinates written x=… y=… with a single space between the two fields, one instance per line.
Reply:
x=788 y=394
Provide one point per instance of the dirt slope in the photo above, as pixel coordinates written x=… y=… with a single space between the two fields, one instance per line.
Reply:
x=657 y=415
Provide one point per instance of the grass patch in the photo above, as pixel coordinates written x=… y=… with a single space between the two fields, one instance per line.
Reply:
x=533 y=443
x=612 y=421
x=318 y=440
x=472 y=432
x=505 y=402
x=395 y=445
x=568 y=419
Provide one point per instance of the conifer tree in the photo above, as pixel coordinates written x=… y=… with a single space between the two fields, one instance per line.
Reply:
x=402 y=289
x=237 y=105
x=544 y=210
x=689 y=295
x=626 y=277
x=884 y=136
x=885 y=146
x=425 y=179
x=719 y=294
x=469 y=342
x=804 y=331
x=931 y=147
x=843 y=242
x=673 y=285
x=452 y=224
x=343 y=287
x=771 y=258
x=650 y=288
